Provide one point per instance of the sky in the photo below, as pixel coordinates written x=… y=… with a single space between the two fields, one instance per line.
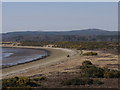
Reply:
x=59 y=16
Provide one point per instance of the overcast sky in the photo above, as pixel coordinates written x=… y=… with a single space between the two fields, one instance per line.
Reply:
x=51 y=16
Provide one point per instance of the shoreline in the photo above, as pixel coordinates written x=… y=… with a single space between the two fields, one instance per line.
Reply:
x=57 y=55
x=42 y=57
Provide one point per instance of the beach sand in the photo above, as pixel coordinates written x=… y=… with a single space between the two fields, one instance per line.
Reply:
x=59 y=62
x=57 y=55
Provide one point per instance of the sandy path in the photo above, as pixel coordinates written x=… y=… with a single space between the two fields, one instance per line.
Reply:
x=57 y=55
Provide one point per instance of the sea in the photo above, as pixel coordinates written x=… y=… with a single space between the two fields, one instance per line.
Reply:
x=14 y=56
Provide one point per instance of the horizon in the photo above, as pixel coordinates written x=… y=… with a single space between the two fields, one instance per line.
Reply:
x=59 y=16
x=57 y=30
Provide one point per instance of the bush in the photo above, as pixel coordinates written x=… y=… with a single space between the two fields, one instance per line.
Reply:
x=86 y=67
x=106 y=73
x=85 y=63
x=111 y=74
x=90 y=53
x=73 y=82
x=18 y=82
x=97 y=82
x=87 y=80
x=78 y=81
x=90 y=70
x=38 y=78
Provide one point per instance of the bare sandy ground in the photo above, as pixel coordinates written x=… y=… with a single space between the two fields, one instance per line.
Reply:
x=59 y=62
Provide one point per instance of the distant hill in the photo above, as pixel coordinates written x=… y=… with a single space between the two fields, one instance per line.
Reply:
x=74 y=35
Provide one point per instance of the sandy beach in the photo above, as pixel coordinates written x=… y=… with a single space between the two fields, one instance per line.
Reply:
x=57 y=55
x=59 y=62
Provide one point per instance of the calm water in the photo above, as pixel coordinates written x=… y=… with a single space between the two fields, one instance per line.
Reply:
x=13 y=56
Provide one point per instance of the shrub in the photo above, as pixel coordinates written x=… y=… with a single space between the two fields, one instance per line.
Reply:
x=90 y=53
x=85 y=63
x=86 y=67
x=38 y=78
x=78 y=81
x=112 y=74
x=18 y=82
x=106 y=73
x=87 y=80
x=75 y=81
x=97 y=82
x=90 y=70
